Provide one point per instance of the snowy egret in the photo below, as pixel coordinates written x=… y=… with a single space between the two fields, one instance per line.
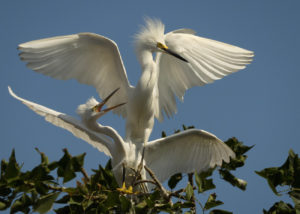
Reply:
x=188 y=151
x=183 y=60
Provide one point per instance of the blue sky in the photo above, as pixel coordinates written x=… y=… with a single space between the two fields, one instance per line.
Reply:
x=259 y=105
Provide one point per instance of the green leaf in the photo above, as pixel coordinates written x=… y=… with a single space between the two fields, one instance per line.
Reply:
x=227 y=176
x=3 y=167
x=202 y=182
x=13 y=169
x=274 y=177
x=112 y=200
x=41 y=188
x=2 y=206
x=78 y=162
x=74 y=208
x=40 y=173
x=141 y=205
x=16 y=206
x=45 y=203
x=287 y=174
x=71 y=190
x=189 y=191
x=173 y=181
x=212 y=202
x=53 y=165
x=163 y=207
x=176 y=131
x=295 y=196
x=44 y=158
x=76 y=200
x=22 y=204
x=184 y=127
x=155 y=195
x=108 y=178
x=150 y=203
x=281 y=207
x=63 y=210
x=65 y=167
x=69 y=173
x=125 y=203
x=219 y=212
x=237 y=146
x=83 y=190
x=63 y=200
x=239 y=149
x=108 y=165
x=4 y=191
x=187 y=204
x=86 y=203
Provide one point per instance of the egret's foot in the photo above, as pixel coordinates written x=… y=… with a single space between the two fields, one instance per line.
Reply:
x=125 y=190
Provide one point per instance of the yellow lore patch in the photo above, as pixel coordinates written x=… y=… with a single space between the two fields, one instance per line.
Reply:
x=162 y=46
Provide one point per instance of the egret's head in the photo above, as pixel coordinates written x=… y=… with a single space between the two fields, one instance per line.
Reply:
x=150 y=35
x=89 y=110
x=93 y=109
x=152 y=38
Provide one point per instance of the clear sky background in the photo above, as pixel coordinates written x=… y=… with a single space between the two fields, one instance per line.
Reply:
x=259 y=105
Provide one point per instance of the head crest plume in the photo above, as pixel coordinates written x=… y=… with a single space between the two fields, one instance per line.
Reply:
x=90 y=103
x=153 y=30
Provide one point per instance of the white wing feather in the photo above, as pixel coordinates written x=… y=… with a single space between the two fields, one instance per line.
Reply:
x=89 y=58
x=208 y=60
x=76 y=127
x=188 y=151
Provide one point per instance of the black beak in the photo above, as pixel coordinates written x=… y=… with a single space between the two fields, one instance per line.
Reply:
x=174 y=54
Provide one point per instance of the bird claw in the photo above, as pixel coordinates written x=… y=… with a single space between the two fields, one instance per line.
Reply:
x=125 y=190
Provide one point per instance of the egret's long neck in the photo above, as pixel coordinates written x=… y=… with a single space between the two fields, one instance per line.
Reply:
x=149 y=75
x=104 y=132
x=140 y=118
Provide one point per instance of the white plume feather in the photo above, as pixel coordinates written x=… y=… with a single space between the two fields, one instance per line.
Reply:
x=83 y=108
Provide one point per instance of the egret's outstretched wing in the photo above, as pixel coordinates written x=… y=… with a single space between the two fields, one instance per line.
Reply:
x=76 y=127
x=188 y=151
x=89 y=58
x=208 y=60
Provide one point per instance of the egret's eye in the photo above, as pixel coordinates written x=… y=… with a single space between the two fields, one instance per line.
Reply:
x=95 y=108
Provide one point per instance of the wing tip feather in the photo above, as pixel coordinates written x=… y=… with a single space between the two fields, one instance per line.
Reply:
x=12 y=93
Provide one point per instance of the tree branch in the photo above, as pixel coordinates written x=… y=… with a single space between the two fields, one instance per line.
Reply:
x=191 y=180
x=85 y=175
x=163 y=191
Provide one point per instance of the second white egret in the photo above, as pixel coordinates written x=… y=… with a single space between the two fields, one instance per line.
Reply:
x=188 y=151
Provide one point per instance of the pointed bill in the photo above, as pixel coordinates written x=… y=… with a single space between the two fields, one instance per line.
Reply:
x=98 y=108
x=168 y=51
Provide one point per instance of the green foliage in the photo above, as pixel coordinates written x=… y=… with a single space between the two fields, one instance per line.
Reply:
x=238 y=161
x=173 y=181
x=189 y=191
x=220 y=212
x=44 y=203
x=286 y=176
x=212 y=202
x=280 y=208
x=203 y=183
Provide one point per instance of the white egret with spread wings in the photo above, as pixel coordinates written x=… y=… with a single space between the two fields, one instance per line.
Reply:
x=187 y=151
x=182 y=60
